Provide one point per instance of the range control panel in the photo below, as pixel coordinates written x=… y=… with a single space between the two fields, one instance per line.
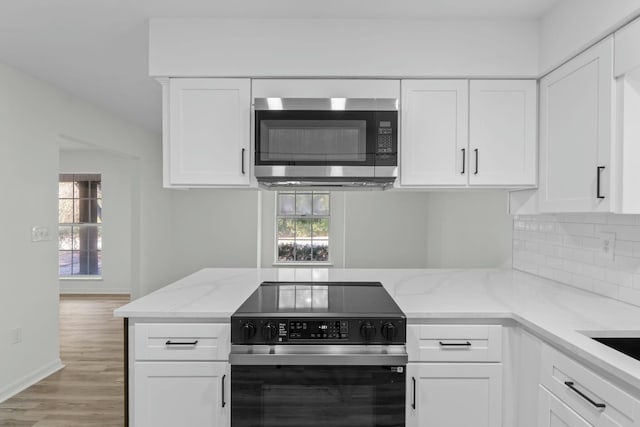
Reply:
x=307 y=330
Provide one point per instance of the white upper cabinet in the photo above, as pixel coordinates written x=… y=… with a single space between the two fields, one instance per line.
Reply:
x=502 y=132
x=206 y=139
x=433 y=148
x=627 y=54
x=459 y=133
x=576 y=111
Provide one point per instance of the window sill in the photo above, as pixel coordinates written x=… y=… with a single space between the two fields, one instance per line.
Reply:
x=72 y=278
x=302 y=264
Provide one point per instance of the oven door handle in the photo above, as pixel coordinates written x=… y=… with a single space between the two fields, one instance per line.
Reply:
x=319 y=355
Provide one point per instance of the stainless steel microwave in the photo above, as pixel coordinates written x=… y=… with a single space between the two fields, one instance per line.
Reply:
x=326 y=142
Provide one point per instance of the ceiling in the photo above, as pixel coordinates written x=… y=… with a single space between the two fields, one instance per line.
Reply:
x=97 y=49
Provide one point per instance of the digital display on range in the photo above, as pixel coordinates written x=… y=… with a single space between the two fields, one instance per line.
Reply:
x=318 y=329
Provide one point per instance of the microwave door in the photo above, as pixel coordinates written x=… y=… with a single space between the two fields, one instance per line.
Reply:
x=318 y=138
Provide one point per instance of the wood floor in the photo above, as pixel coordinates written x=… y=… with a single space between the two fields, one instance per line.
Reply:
x=89 y=391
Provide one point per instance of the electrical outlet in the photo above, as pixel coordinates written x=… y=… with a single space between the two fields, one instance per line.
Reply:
x=40 y=234
x=16 y=336
x=607 y=245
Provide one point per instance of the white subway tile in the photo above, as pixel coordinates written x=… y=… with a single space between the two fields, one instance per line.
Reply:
x=591 y=243
x=554 y=238
x=636 y=249
x=554 y=262
x=620 y=278
x=572 y=241
x=627 y=263
x=572 y=267
x=596 y=218
x=569 y=217
x=532 y=246
x=623 y=248
x=518 y=225
x=623 y=219
x=622 y=232
x=635 y=281
x=577 y=229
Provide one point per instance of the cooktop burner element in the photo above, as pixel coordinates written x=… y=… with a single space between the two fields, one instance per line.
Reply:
x=319 y=313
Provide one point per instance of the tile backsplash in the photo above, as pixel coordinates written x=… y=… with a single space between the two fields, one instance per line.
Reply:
x=568 y=248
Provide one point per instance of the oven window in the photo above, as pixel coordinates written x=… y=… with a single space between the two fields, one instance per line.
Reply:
x=313 y=140
x=317 y=396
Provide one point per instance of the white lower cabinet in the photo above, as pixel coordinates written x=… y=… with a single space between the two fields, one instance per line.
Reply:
x=598 y=401
x=194 y=394
x=179 y=374
x=555 y=413
x=454 y=375
x=454 y=394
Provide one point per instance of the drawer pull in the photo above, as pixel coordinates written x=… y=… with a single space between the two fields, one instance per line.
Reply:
x=181 y=342
x=455 y=344
x=413 y=403
x=223 y=399
x=571 y=385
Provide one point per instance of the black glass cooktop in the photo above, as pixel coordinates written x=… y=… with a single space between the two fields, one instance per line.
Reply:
x=320 y=299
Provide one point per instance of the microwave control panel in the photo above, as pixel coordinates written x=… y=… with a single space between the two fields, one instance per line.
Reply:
x=385 y=138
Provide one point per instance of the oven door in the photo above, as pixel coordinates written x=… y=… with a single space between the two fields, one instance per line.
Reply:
x=318 y=386
x=317 y=396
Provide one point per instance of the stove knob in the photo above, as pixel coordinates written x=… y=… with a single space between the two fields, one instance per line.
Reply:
x=367 y=331
x=269 y=331
x=248 y=330
x=389 y=331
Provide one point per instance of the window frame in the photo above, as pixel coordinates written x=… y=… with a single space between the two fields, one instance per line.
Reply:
x=277 y=216
x=74 y=178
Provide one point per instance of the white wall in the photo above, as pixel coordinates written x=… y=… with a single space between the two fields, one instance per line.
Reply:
x=212 y=228
x=353 y=47
x=468 y=229
x=118 y=186
x=573 y=25
x=410 y=229
x=35 y=120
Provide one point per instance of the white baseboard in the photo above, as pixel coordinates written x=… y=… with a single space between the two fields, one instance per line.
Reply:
x=64 y=290
x=30 y=379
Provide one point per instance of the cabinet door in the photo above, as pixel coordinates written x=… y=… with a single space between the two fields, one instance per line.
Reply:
x=555 y=413
x=454 y=394
x=576 y=109
x=194 y=394
x=208 y=132
x=434 y=132
x=502 y=132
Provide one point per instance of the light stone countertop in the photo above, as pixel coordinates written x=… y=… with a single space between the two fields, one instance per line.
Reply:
x=556 y=313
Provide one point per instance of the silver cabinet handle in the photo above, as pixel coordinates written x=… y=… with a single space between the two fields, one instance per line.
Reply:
x=464 y=159
x=243 y=150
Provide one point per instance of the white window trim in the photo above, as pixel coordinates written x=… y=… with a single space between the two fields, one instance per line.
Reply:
x=276 y=263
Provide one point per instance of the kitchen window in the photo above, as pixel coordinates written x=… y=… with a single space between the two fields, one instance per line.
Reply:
x=80 y=225
x=302 y=226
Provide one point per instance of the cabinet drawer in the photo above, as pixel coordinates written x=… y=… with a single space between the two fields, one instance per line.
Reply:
x=182 y=341
x=454 y=343
x=584 y=391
